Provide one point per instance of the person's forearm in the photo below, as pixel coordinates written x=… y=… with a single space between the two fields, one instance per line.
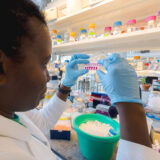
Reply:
x=133 y=124
x=61 y=95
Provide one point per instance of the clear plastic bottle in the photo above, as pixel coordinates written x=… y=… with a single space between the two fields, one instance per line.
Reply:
x=131 y=25
x=91 y=33
x=66 y=37
x=107 y=31
x=59 y=39
x=117 y=27
x=54 y=37
x=151 y=22
x=138 y=64
x=158 y=19
x=72 y=37
x=156 y=65
x=83 y=34
x=154 y=100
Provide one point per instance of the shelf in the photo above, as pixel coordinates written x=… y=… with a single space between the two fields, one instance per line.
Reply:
x=107 y=12
x=139 y=40
x=148 y=73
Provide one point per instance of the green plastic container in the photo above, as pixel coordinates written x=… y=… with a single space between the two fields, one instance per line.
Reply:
x=95 y=147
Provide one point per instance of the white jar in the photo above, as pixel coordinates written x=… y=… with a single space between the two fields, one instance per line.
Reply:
x=131 y=25
x=117 y=27
x=154 y=101
x=151 y=22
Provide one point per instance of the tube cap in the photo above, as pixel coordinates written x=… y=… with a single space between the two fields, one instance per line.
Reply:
x=150 y=18
x=54 y=31
x=118 y=23
x=108 y=28
x=59 y=36
x=83 y=31
x=72 y=34
x=137 y=57
x=92 y=25
x=131 y=21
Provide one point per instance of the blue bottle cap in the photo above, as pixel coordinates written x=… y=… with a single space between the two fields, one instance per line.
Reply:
x=59 y=36
x=83 y=31
x=118 y=23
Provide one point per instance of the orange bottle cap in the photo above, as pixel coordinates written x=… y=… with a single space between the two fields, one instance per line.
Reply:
x=54 y=31
x=92 y=25
x=72 y=34
x=137 y=57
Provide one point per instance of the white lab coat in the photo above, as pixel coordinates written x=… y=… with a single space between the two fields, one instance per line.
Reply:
x=20 y=143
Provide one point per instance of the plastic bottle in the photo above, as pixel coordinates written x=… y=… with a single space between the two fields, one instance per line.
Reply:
x=83 y=34
x=72 y=37
x=91 y=33
x=107 y=31
x=138 y=64
x=151 y=22
x=53 y=83
x=156 y=65
x=54 y=37
x=59 y=39
x=158 y=19
x=131 y=25
x=154 y=100
x=117 y=27
x=66 y=37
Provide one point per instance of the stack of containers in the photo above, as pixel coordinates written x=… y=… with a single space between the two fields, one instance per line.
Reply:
x=107 y=31
x=151 y=22
x=131 y=25
x=91 y=33
x=117 y=27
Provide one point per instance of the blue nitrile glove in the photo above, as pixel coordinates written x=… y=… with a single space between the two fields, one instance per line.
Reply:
x=72 y=73
x=121 y=82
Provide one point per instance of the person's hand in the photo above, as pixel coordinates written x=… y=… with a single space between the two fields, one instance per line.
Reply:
x=121 y=82
x=72 y=73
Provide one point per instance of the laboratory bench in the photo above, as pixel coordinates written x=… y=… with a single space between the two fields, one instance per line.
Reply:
x=70 y=150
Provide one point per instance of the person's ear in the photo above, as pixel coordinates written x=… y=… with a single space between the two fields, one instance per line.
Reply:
x=2 y=72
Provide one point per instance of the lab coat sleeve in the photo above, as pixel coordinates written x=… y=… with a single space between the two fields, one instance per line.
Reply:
x=129 y=150
x=47 y=117
x=15 y=156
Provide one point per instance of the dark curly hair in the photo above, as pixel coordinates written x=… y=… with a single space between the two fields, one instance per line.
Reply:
x=14 y=15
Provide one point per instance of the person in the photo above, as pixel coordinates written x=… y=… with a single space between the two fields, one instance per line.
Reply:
x=25 y=49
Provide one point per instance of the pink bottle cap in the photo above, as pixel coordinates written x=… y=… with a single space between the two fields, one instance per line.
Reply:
x=132 y=21
x=108 y=28
x=150 y=18
x=159 y=13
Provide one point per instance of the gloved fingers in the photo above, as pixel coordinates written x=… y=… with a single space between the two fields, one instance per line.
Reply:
x=114 y=57
x=79 y=56
x=104 y=62
x=81 y=72
x=78 y=61
x=109 y=60
x=101 y=74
